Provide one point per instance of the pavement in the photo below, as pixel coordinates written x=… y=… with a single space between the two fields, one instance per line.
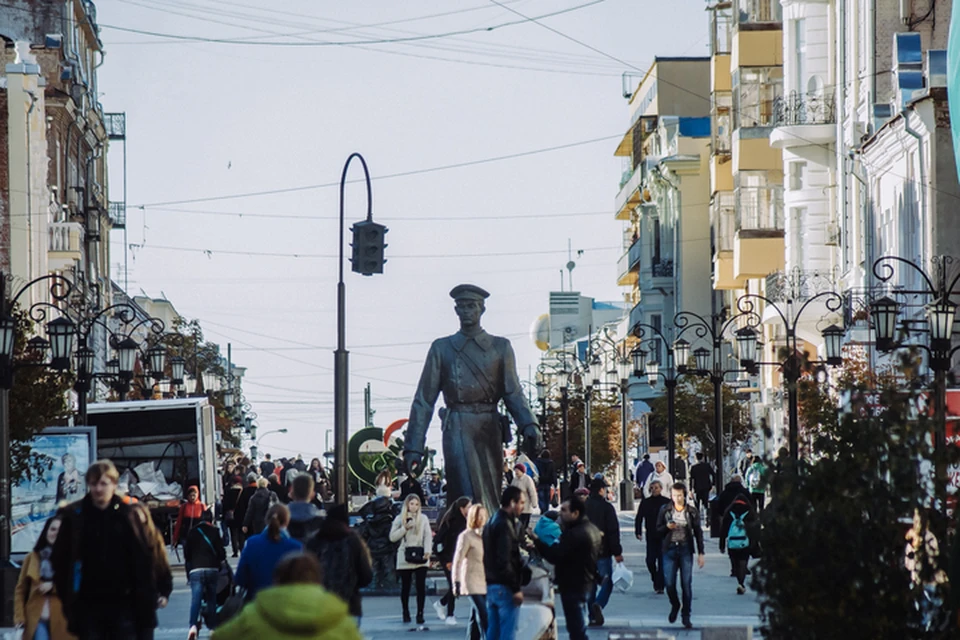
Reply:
x=715 y=604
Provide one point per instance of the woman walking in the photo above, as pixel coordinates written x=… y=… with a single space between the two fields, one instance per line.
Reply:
x=469 y=578
x=736 y=537
x=35 y=604
x=412 y=530
x=679 y=524
x=296 y=607
x=255 y=518
x=451 y=525
x=263 y=551
x=230 y=499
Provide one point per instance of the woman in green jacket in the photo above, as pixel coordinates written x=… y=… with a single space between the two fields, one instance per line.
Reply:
x=296 y=607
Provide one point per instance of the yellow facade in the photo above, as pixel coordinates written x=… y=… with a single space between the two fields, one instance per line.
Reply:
x=757 y=254
x=755 y=154
x=757 y=49
x=723 y=278
x=720 y=76
x=721 y=173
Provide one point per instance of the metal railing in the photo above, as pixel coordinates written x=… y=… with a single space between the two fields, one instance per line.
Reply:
x=65 y=236
x=758 y=11
x=663 y=269
x=759 y=209
x=118 y=214
x=804 y=108
x=799 y=284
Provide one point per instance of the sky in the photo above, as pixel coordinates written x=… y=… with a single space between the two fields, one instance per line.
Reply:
x=488 y=129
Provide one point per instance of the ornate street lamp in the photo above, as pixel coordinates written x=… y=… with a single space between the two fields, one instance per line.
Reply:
x=177 y=367
x=127 y=358
x=702 y=357
x=639 y=362
x=61 y=332
x=884 y=313
x=157 y=359
x=941 y=314
x=833 y=339
x=8 y=334
x=747 y=346
x=681 y=353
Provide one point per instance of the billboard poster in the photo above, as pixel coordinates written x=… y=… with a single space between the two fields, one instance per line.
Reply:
x=70 y=450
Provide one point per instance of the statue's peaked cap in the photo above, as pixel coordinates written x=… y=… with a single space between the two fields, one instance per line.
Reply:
x=468 y=292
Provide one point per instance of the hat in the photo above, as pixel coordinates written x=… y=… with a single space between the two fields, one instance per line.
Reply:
x=339 y=513
x=579 y=463
x=520 y=466
x=468 y=292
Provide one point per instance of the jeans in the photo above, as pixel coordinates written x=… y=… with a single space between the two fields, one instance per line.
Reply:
x=679 y=558
x=573 y=605
x=478 y=616
x=225 y=532
x=406 y=577
x=655 y=560
x=203 y=586
x=601 y=594
x=43 y=631
x=739 y=558
x=502 y=613
x=543 y=497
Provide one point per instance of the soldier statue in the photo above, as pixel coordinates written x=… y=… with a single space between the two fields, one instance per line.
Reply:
x=474 y=371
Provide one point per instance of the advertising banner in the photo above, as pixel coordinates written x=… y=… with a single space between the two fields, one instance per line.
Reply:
x=70 y=450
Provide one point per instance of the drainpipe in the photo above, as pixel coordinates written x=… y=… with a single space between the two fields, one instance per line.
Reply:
x=31 y=250
x=840 y=110
x=923 y=182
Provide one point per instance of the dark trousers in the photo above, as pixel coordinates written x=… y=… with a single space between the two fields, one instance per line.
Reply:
x=236 y=536
x=543 y=497
x=117 y=626
x=701 y=498
x=655 y=561
x=739 y=558
x=448 y=599
x=758 y=500
x=406 y=577
x=573 y=611
x=679 y=558
x=478 y=616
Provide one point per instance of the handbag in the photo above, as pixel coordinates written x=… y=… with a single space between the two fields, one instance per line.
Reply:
x=414 y=555
x=231 y=606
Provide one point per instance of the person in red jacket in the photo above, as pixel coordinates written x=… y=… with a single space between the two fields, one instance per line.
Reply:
x=191 y=512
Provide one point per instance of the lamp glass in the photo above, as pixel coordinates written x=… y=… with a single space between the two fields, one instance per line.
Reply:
x=541 y=389
x=596 y=370
x=8 y=333
x=127 y=357
x=61 y=332
x=157 y=356
x=113 y=367
x=85 y=358
x=681 y=352
x=833 y=339
x=653 y=369
x=702 y=357
x=38 y=347
x=747 y=345
x=177 y=367
x=884 y=312
x=639 y=362
x=228 y=399
x=941 y=315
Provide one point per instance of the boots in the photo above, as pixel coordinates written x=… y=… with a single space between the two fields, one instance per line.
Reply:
x=406 y=613
x=420 y=619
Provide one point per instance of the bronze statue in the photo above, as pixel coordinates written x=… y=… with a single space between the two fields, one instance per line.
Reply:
x=474 y=371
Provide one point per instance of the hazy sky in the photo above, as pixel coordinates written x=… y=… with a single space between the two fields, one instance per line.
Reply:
x=210 y=123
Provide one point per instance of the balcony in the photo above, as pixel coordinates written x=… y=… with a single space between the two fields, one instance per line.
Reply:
x=758 y=247
x=628 y=267
x=629 y=196
x=798 y=284
x=118 y=214
x=65 y=244
x=803 y=119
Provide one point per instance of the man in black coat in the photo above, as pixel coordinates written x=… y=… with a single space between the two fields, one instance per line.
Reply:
x=548 y=479
x=575 y=557
x=647 y=514
x=203 y=555
x=702 y=478
x=102 y=572
x=503 y=566
x=604 y=516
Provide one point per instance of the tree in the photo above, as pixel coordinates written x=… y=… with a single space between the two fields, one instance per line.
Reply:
x=605 y=429
x=693 y=407
x=38 y=399
x=834 y=538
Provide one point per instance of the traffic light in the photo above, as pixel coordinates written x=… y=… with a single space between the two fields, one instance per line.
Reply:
x=368 y=245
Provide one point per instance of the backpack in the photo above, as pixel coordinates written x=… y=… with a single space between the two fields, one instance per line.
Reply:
x=737 y=534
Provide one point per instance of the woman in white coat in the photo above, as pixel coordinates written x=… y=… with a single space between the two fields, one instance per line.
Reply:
x=469 y=578
x=412 y=530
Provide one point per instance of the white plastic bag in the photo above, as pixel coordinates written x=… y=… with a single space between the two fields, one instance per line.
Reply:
x=622 y=577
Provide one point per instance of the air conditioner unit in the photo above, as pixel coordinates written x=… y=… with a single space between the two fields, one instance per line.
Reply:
x=833 y=234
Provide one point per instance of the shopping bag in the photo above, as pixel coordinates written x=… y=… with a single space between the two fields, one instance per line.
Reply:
x=622 y=577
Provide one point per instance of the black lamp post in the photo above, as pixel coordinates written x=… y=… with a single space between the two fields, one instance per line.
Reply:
x=940 y=317
x=368 y=259
x=747 y=344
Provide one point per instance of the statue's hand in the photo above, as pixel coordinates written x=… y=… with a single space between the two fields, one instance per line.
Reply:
x=413 y=460
x=532 y=443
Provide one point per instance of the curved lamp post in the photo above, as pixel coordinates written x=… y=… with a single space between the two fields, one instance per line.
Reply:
x=747 y=339
x=367 y=259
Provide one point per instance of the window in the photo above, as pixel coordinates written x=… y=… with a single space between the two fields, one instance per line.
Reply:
x=797 y=169
x=721 y=22
x=759 y=202
x=797 y=214
x=800 y=55
x=656 y=321
x=755 y=89
x=722 y=101
x=759 y=11
x=656 y=241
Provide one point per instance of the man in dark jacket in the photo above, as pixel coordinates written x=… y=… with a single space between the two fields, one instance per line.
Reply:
x=103 y=575
x=231 y=497
x=203 y=555
x=548 y=479
x=603 y=515
x=575 y=557
x=647 y=514
x=267 y=467
x=679 y=524
x=305 y=518
x=375 y=530
x=260 y=502
x=644 y=469
x=503 y=566
x=702 y=478
x=411 y=484
x=243 y=502
x=343 y=555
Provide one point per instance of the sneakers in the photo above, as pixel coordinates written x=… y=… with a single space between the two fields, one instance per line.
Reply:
x=596 y=615
x=741 y=590
x=193 y=633
x=441 y=610
x=452 y=621
x=674 y=612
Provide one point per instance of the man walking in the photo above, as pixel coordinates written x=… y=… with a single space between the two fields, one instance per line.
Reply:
x=647 y=514
x=502 y=566
x=703 y=479
x=203 y=555
x=644 y=469
x=603 y=515
x=305 y=518
x=679 y=524
x=575 y=559
x=548 y=479
x=267 y=467
x=102 y=573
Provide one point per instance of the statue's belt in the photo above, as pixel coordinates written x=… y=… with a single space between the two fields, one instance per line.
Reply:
x=476 y=407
